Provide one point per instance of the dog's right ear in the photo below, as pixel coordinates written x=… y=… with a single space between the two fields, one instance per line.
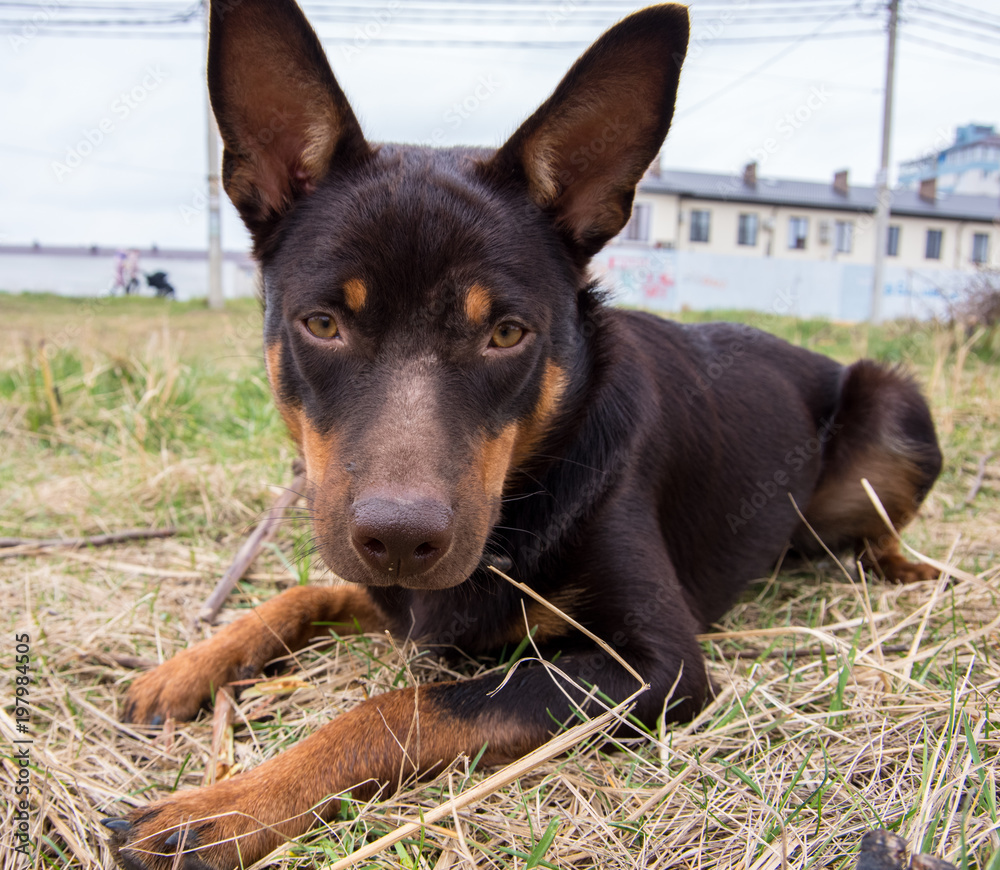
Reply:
x=283 y=118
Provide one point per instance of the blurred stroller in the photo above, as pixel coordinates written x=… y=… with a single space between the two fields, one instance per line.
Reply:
x=158 y=281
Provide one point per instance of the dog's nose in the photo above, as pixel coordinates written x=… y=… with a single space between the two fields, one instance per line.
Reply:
x=400 y=535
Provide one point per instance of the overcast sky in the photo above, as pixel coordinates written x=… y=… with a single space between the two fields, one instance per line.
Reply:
x=103 y=140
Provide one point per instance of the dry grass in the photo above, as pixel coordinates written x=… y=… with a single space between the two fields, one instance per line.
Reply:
x=844 y=704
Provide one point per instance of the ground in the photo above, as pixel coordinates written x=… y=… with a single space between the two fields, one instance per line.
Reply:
x=844 y=704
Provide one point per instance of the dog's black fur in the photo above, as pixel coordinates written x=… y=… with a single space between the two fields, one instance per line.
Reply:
x=462 y=396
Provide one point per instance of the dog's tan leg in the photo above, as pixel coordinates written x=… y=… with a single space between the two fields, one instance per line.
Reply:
x=286 y=623
x=377 y=744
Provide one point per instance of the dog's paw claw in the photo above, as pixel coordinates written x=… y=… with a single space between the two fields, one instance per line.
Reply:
x=188 y=838
x=118 y=826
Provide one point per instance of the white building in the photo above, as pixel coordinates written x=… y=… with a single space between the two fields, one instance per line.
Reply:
x=970 y=165
x=749 y=216
x=714 y=242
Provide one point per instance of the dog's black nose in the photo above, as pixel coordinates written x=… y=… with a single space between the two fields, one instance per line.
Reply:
x=400 y=534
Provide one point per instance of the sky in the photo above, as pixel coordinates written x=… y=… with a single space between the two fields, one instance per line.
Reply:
x=104 y=137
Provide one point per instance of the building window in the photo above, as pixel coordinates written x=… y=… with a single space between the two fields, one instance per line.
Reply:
x=933 y=249
x=637 y=229
x=980 y=248
x=843 y=236
x=798 y=229
x=699 y=225
x=892 y=242
x=747 y=232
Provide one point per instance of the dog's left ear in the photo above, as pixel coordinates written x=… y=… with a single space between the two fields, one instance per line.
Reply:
x=583 y=152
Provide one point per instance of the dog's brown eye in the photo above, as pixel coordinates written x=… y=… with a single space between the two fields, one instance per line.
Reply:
x=322 y=326
x=506 y=335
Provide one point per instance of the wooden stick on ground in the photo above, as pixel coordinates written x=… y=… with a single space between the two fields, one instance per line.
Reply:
x=94 y=541
x=978 y=482
x=252 y=546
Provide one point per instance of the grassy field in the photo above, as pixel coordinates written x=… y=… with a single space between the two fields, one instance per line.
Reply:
x=844 y=704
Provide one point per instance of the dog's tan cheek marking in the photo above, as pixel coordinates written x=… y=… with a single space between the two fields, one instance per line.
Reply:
x=477 y=303
x=496 y=457
x=493 y=459
x=320 y=450
x=554 y=384
x=291 y=414
x=355 y=294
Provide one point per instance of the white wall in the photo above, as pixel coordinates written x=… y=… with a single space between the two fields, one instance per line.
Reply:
x=665 y=280
x=93 y=275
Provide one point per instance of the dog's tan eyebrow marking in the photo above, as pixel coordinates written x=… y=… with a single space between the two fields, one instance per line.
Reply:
x=355 y=293
x=477 y=303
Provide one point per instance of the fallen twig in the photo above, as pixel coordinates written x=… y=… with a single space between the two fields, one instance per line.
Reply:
x=121 y=661
x=92 y=541
x=809 y=652
x=978 y=482
x=251 y=548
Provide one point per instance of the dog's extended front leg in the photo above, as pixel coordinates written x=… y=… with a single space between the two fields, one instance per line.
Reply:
x=384 y=739
x=286 y=623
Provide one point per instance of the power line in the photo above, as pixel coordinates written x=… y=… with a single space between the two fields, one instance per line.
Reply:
x=815 y=34
x=952 y=16
x=432 y=13
x=962 y=7
x=955 y=31
x=952 y=49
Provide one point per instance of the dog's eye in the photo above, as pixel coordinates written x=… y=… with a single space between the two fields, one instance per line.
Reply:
x=322 y=326
x=506 y=335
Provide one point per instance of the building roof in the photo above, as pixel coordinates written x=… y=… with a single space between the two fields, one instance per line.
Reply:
x=816 y=194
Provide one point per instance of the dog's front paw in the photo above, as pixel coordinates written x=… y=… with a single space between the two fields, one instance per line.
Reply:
x=180 y=686
x=200 y=829
x=896 y=568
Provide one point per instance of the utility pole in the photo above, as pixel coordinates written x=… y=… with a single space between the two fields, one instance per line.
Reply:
x=883 y=195
x=216 y=298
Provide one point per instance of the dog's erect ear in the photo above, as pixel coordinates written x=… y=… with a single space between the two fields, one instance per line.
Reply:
x=283 y=118
x=585 y=149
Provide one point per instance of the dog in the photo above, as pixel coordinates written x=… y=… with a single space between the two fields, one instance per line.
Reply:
x=463 y=397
